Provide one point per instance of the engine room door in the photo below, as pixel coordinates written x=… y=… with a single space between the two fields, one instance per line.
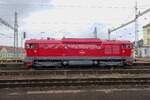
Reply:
x=116 y=50
x=112 y=50
x=108 y=50
x=35 y=49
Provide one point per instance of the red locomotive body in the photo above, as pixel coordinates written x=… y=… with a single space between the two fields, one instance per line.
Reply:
x=44 y=52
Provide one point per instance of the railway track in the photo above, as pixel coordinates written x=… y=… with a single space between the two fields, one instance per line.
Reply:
x=75 y=82
x=20 y=66
x=83 y=72
x=83 y=78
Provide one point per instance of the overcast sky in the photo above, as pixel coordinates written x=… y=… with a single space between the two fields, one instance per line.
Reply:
x=71 y=18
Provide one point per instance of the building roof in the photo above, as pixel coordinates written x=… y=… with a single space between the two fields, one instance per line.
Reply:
x=147 y=25
x=11 y=49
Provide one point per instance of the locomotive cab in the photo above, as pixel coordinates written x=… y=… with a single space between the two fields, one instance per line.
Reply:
x=127 y=53
x=31 y=51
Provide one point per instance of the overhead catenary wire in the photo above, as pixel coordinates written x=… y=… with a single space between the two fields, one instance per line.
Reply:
x=6 y=23
x=73 y=5
x=129 y=22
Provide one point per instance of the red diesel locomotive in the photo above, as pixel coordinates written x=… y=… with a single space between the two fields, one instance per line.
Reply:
x=44 y=52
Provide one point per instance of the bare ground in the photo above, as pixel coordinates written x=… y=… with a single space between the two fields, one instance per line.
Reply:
x=76 y=94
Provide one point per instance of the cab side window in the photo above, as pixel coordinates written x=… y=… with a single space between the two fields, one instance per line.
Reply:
x=127 y=46
x=28 y=46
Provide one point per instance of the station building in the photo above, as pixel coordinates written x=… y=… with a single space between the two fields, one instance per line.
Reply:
x=7 y=52
x=144 y=50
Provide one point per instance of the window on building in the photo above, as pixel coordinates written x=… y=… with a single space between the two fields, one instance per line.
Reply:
x=148 y=41
x=148 y=31
x=145 y=51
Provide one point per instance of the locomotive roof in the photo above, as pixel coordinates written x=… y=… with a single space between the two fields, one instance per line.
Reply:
x=116 y=42
x=43 y=41
x=81 y=40
x=77 y=40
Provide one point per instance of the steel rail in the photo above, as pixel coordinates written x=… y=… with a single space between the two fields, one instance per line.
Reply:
x=72 y=72
x=74 y=82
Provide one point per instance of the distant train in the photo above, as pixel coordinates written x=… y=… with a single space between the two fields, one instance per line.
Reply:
x=44 y=52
